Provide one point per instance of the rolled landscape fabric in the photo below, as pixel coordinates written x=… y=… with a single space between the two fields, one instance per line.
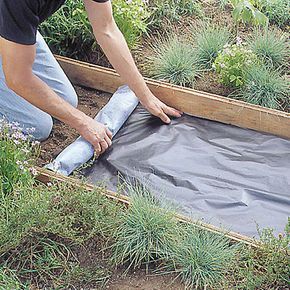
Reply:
x=113 y=115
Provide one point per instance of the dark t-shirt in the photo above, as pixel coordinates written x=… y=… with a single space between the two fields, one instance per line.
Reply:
x=19 y=19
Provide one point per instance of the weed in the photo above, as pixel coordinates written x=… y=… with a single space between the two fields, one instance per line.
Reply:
x=271 y=46
x=174 y=61
x=17 y=154
x=201 y=258
x=209 y=40
x=265 y=87
x=145 y=233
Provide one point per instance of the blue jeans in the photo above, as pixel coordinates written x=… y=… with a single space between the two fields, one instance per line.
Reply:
x=15 y=108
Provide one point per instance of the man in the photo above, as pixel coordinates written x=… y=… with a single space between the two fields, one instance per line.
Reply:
x=32 y=85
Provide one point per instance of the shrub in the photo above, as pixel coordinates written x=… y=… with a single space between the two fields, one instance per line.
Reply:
x=174 y=61
x=209 y=40
x=265 y=87
x=231 y=64
x=16 y=156
x=131 y=17
x=146 y=231
x=201 y=259
x=277 y=11
x=172 y=10
x=271 y=46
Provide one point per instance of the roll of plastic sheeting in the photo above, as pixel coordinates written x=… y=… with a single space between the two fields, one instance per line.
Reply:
x=113 y=115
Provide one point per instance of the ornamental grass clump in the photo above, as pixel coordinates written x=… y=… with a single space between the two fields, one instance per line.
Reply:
x=17 y=156
x=232 y=63
x=265 y=87
x=146 y=231
x=208 y=41
x=271 y=46
x=201 y=258
x=174 y=61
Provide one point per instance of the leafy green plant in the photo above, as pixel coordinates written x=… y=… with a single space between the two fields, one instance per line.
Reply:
x=17 y=155
x=146 y=231
x=174 y=61
x=232 y=63
x=172 y=10
x=131 y=17
x=265 y=87
x=266 y=267
x=208 y=41
x=68 y=31
x=245 y=11
x=271 y=46
x=277 y=11
x=201 y=259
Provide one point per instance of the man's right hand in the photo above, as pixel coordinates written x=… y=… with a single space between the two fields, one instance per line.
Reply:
x=96 y=133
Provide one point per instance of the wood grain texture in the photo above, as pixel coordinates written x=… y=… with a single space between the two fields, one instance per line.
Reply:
x=190 y=101
x=46 y=176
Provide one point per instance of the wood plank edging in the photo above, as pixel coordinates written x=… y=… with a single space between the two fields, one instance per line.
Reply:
x=45 y=176
x=193 y=102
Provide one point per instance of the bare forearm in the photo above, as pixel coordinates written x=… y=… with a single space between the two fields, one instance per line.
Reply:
x=115 y=47
x=38 y=93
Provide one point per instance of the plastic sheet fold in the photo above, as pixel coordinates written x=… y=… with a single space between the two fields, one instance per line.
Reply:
x=228 y=176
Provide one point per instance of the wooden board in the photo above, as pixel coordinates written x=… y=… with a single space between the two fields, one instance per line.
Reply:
x=193 y=102
x=46 y=176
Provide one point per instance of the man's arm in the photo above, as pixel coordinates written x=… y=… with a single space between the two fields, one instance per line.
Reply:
x=17 y=62
x=115 y=47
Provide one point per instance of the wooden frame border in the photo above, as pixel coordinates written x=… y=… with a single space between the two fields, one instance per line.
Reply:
x=46 y=176
x=197 y=103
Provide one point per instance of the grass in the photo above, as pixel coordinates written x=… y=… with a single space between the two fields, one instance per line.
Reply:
x=201 y=259
x=271 y=46
x=208 y=40
x=174 y=61
x=265 y=87
x=146 y=231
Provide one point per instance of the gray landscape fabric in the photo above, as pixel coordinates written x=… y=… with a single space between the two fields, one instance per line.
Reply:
x=231 y=177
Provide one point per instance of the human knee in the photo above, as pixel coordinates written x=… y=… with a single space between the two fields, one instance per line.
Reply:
x=72 y=97
x=43 y=127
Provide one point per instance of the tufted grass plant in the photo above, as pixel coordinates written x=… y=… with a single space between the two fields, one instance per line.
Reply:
x=146 y=231
x=271 y=46
x=173 y=60
x=201 y=259
x=265 y=87
x=208 y=40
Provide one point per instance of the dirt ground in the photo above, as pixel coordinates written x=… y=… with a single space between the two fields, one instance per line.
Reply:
x=90 y=102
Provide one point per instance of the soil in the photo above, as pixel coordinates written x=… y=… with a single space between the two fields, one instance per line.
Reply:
x=90 y=102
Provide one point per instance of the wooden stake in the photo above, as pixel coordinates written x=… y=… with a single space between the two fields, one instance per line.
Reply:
x=193 y=102
x=46 y=176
